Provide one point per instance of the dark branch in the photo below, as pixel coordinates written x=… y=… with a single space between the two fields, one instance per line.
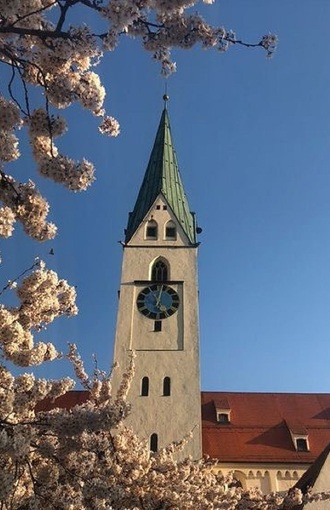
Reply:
x=42 y=34
x=20 y=18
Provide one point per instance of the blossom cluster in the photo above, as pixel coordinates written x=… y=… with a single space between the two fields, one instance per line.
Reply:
x=22 y=202
x=43 y=297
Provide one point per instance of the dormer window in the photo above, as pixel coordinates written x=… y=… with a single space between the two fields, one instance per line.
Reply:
x=222 y=411
x=152 y=230
x=170 y=231
x=223 y=418
x=299 y=436
x=302 y=444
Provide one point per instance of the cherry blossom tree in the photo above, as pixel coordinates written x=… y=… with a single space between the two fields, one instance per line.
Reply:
x=83 y=457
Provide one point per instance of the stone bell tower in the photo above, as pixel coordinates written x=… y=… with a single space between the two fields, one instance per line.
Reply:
x=158 y=305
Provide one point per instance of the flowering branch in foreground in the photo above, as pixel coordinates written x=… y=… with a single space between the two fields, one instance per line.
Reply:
x=77 y=453
x=44 y=50
x=43 y=297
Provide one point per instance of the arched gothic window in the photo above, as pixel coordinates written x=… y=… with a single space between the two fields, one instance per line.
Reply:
x=154 y=443
x=145 y=387
x=160 y=272
x=151 y=230
x=166 y=387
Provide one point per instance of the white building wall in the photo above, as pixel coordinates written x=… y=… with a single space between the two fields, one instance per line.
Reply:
x=172 y=352
x=268 y=477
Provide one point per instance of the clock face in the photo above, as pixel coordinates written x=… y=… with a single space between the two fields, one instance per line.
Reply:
x=158 y=301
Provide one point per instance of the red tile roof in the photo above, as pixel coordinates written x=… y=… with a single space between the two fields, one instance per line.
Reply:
x=67 y=401
x=258 y=430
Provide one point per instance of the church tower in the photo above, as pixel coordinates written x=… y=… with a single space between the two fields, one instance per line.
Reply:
x=158 y=305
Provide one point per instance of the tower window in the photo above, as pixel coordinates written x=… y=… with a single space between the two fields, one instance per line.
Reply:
x=170 y=233
x=153 y=443
x=164 y=207
x=159 y=271
x=152 y=230
x=170 y=230
x=166 y=387
x=145 y=387
x=158 y=207
x=158 y=326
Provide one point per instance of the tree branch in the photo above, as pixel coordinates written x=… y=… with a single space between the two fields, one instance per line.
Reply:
x=20 y=18
x=42 y=34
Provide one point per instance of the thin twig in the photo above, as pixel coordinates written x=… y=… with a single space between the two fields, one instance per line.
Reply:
x=20 y=18
x=9 y=284
x=10 y=91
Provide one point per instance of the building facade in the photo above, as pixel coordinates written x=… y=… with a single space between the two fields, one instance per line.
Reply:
x=268 y=440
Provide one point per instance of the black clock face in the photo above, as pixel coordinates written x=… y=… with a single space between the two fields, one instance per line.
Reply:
x=158 y=301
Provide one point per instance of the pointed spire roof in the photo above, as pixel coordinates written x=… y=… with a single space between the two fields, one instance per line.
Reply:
x=162 y=176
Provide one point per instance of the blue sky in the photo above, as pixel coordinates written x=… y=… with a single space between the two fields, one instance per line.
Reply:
x=253 y=143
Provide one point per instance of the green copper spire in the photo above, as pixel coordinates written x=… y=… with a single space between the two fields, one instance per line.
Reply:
x=162 y=176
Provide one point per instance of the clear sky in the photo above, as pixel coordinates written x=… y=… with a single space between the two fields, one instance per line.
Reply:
x=253 y=143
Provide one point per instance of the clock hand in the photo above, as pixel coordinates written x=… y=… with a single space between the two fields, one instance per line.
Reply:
x=159 y=296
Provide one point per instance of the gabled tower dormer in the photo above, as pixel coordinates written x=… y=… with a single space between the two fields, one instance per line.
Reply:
x=158 y=305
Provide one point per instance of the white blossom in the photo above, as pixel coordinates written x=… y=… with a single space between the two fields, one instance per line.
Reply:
x=7 y=220
x=110 y=126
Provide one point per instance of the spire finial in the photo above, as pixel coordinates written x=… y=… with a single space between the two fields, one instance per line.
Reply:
x=166 y=97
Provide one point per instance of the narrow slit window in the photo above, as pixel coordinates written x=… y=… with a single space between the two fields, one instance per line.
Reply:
x=158 y=326
x=145 y=387
x=154 y=443
x=166 y=387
